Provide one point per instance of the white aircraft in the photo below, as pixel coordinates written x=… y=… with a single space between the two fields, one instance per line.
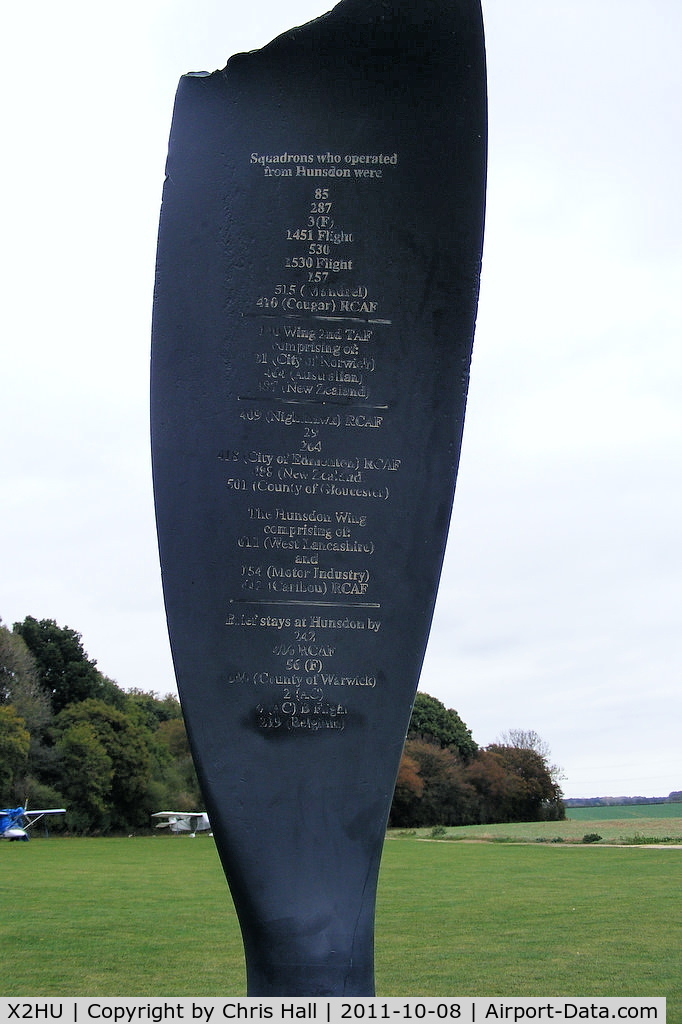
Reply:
x=184 y=821
x=16 y=821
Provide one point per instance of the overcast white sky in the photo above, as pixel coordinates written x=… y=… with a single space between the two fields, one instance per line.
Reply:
x=561 y=598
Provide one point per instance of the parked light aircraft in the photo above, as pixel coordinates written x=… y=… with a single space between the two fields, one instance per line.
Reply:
x=16 y=821
x=184 y=821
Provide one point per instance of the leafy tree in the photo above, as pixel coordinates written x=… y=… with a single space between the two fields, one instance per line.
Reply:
x=528 y=739
x=532 y=794
x=445 y=779
x=409 y=788
x=431 y=788
x=112 y=757
x=174 y=735
x=19 y=682
x=151 y=710
x=64 y=670
x=14 y=746
x=446 y=797
x=182 y=785
x=432 y=722
x=16 y=663
x=494 y=788
x=87 y=773
x=37 y=794
x=173 y=782
x=127 y=749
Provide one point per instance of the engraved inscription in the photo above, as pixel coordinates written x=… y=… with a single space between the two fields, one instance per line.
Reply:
x=314 y=457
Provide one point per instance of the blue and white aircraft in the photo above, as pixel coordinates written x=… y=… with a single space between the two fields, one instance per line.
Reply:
x=16 y=821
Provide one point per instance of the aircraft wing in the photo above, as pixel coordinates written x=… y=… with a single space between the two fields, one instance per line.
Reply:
x=33 y=816
x=48 y=810
x=183 y=821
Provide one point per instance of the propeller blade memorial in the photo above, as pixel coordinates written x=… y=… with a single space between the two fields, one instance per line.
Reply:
x=317 y=282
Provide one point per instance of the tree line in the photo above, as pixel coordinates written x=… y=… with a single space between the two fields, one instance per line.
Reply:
x=445 y=778
x=72 y=737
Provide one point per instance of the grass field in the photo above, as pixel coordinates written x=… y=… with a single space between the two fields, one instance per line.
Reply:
x=617 y=829
x=152 y=917
x=625 y=811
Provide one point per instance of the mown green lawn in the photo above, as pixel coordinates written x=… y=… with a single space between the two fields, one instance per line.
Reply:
x=529 y=920
x=152 y=917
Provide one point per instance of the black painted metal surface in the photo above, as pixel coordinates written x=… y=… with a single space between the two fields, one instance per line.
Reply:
x=317 y=281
